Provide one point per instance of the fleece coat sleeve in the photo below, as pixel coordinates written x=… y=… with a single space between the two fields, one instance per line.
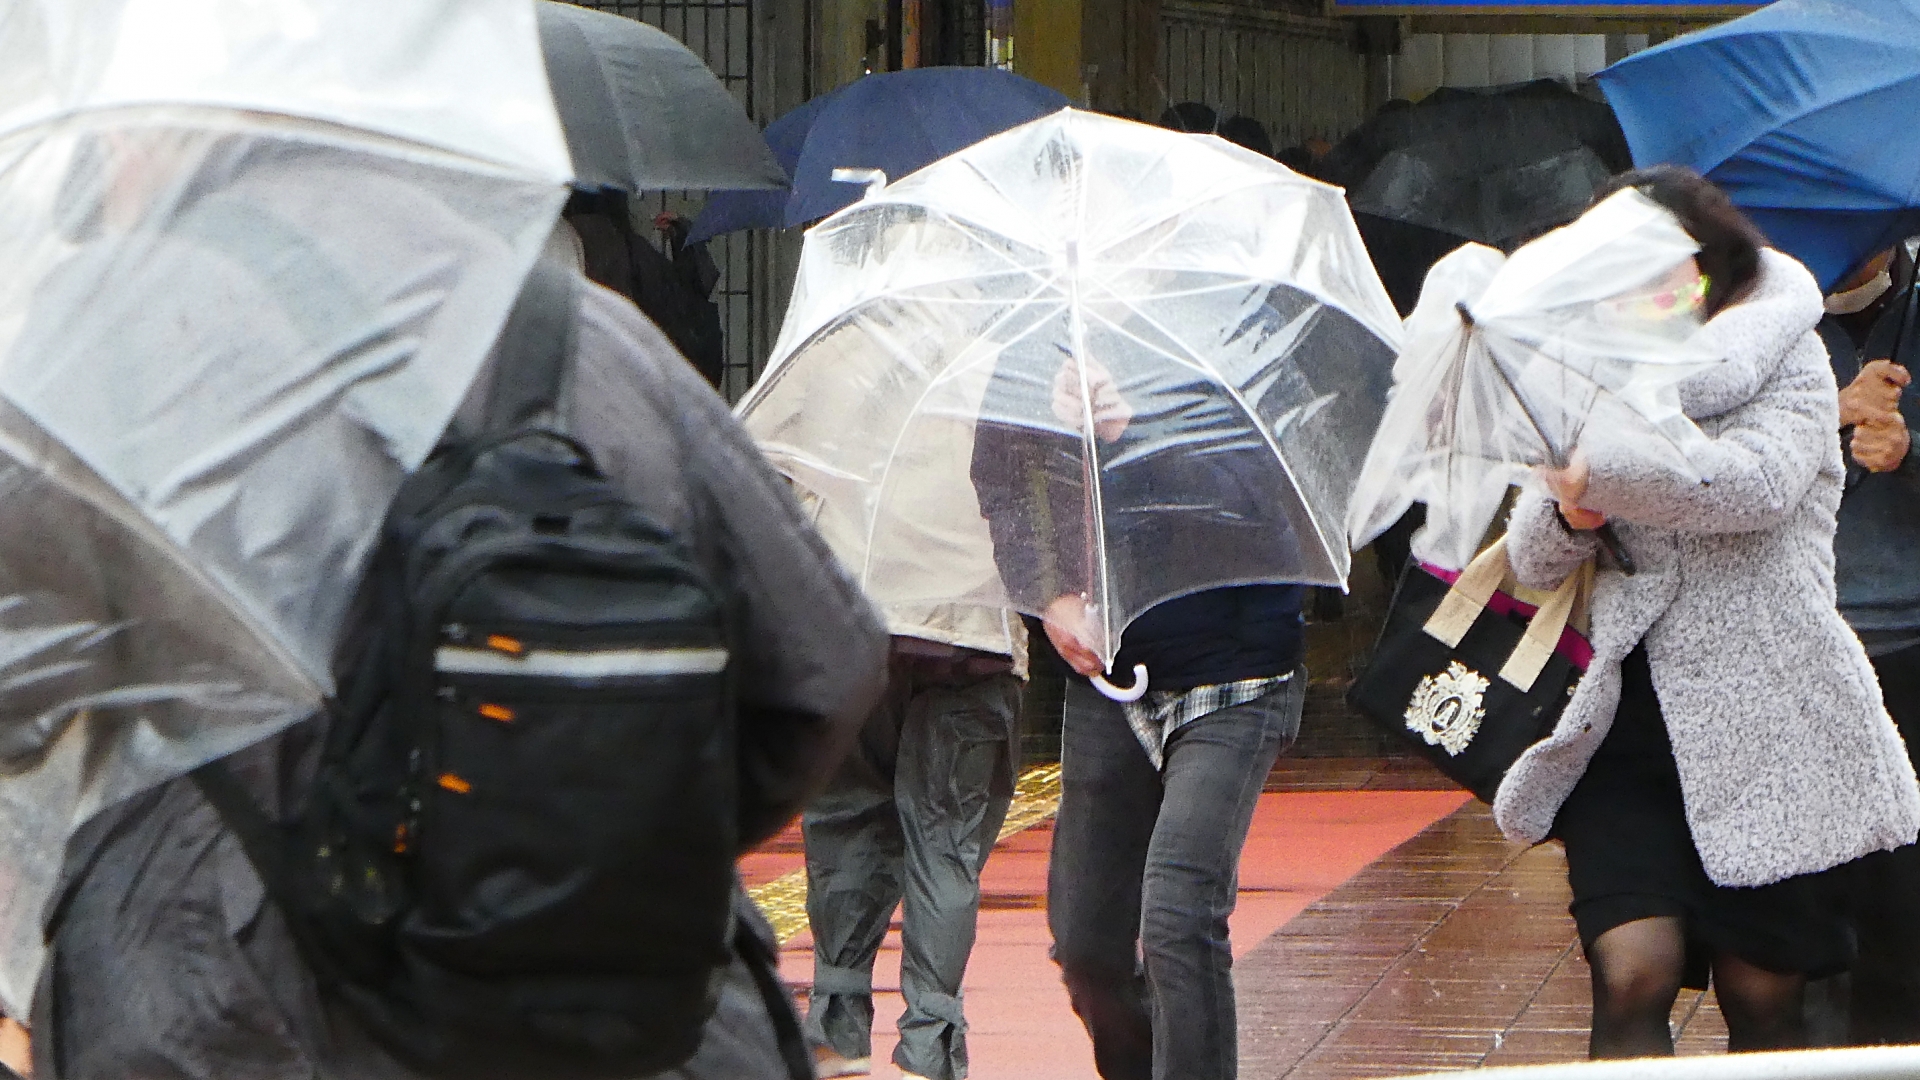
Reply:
x=1755 y=470
x=1540 y=547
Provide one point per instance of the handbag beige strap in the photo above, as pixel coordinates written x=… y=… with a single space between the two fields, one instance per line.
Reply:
x=1476 y=585
x=1536 y=646
x=1469 y=595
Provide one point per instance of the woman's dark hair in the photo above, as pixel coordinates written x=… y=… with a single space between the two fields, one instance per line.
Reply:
x=1729 y=243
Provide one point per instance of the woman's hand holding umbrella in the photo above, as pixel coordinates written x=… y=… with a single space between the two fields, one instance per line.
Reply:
x=1569 y=486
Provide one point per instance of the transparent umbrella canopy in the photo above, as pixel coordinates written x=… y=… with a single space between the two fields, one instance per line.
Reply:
x=255 y=254
x=1509 y=360
x=1084 y=361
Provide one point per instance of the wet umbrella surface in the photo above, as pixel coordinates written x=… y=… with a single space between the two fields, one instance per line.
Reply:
x=1490 y=166
x=243 y=297
x=1509 y=361
x=642 y=113
x=1803 y=111
x=1151 y=360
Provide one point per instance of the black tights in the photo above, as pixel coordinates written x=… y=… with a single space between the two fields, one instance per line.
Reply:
x=1637 y=970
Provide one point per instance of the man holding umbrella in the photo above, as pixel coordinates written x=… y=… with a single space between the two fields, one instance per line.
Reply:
x=1873 y=343
x=1150 y=440
x=1156 y=794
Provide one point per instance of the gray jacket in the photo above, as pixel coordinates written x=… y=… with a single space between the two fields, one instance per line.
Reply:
x=1879 y=533
x=1788 y=762
x=168 y=961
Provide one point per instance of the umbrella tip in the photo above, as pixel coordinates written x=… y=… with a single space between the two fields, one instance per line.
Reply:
x=875 y=179
x=1465 y=315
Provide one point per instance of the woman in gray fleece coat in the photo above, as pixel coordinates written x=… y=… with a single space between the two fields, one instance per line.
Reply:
x=1728 y=741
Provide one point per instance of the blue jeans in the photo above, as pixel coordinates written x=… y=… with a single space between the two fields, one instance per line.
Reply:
x=1145 y=871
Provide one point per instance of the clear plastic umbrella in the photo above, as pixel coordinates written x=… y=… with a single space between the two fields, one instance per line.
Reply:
x=255 y=253
x=1084 y=358
x=1509 y=359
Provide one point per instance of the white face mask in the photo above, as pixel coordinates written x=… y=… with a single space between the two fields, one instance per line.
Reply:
x=1857 y=300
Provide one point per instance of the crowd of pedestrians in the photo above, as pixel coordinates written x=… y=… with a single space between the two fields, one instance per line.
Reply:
x=1732 y=780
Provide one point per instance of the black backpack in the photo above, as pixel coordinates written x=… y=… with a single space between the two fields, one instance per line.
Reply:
x=517 y=856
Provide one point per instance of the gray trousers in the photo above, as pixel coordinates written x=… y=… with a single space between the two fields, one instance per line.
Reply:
x=1144 y=872
x=909 y=819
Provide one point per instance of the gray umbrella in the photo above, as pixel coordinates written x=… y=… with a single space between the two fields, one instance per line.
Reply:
x=642 y=112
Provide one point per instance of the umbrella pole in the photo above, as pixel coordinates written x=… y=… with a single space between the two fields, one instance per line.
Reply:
x=1609 y=539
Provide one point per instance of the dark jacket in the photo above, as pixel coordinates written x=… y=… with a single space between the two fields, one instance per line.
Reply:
x=169 y=960
x=1184 y=505
x=673 y=288
x=1874 y=569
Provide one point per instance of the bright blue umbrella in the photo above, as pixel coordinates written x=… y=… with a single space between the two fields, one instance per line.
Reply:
x=1803 y=111
x=898 y=122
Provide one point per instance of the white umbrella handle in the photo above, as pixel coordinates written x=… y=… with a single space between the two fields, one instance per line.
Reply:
x=1132 y=693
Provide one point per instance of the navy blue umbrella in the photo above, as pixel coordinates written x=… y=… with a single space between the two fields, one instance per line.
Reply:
x=1803 y=111
x=898 y=122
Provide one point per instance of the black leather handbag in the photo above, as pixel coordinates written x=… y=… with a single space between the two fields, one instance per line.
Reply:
x=1469 y=674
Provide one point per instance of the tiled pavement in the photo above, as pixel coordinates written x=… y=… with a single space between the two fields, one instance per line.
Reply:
x=1453 y=951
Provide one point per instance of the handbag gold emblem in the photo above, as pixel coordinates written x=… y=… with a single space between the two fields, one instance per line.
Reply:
x=1446 y=709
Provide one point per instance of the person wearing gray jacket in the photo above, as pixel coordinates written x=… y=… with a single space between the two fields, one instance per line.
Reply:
x=1727 y=743
x=168 y=960
x=1872 y=334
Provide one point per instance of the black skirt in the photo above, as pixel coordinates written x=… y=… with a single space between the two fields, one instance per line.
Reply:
x=1630 y=856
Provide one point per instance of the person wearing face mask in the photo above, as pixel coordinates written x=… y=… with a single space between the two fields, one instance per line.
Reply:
x=1873 y=342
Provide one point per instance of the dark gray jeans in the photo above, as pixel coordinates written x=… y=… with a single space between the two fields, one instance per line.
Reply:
x=1145 y=871
x=912 y=814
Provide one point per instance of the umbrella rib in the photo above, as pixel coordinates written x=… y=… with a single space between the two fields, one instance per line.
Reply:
x=1239 y=399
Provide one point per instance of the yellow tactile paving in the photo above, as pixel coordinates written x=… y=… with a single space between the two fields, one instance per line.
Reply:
x=1036 y=797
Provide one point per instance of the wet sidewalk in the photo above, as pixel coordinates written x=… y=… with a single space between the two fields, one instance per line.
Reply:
x=1453 y=951
x=1384 y=927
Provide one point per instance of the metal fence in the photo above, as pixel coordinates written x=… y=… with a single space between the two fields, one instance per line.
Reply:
x=1295 y=73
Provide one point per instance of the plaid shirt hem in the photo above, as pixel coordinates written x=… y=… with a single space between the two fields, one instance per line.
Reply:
x=1155 y=717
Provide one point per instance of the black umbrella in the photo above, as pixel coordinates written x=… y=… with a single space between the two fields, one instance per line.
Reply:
x=1496 y=166
x=642 y=112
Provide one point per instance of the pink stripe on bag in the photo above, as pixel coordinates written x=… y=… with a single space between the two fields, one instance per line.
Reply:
x=1572 y=645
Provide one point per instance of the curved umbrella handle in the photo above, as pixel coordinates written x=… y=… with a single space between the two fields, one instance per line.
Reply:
x=1132 y=693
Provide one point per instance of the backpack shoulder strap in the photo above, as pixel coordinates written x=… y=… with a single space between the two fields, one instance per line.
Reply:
x=534 y=347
